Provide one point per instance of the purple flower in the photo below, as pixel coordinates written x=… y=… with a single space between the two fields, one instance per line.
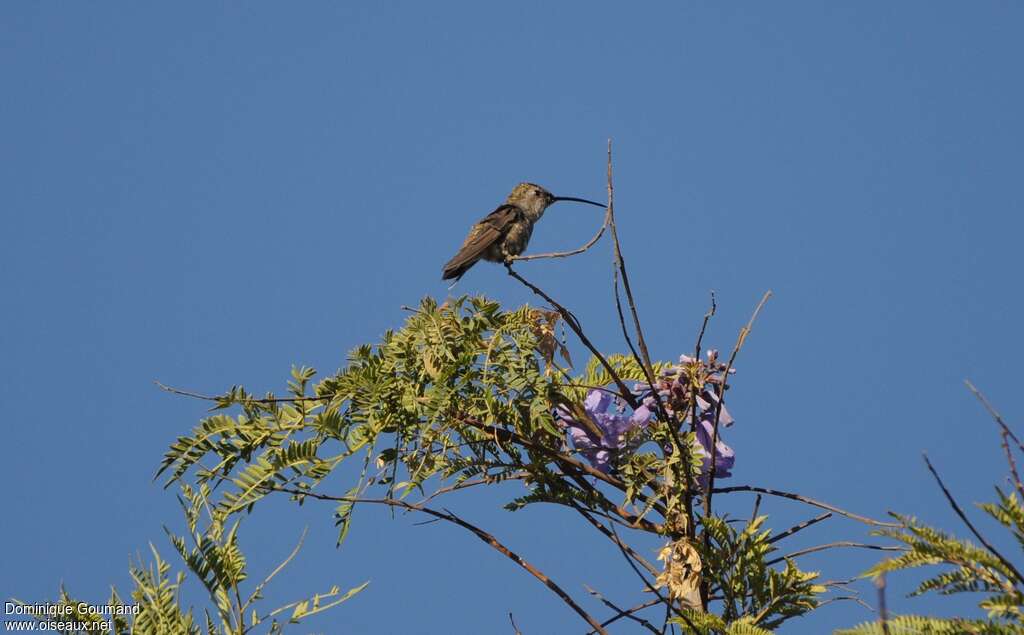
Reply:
x=675 y=387
x=725 y=457
x=614 y=427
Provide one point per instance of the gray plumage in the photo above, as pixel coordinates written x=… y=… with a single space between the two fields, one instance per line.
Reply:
x=503 y=233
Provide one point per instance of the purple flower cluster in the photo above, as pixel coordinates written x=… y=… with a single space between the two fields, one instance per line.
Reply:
x=615 y=428
x=675 y=388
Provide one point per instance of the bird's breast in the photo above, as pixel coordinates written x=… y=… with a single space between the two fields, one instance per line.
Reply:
x=518 y=237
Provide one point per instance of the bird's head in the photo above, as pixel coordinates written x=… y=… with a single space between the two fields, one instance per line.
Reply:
x=533 y=199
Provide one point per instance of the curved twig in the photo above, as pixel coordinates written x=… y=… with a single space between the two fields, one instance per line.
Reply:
x=574 y=324
x=650 y=587
x=832 y=545
x=977 y=534
x=621 y=544
x=627 y=612
x=195 y=395
x=1005 y=435
x=449 y=516
x=805 y=499
x=795 y=528
x=609 y=604
x=744 y=332
x=573 y=252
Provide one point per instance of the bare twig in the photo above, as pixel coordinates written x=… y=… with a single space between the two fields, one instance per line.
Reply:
x=795 y=528
x=650 y=587
x=621 y=264
x=704 y=325
x=713 y=450
x=832 y=545
x=449 y=516
x=195 y=395
x=977 y=534
x=1005 y=434
x=578 y=466
x=995 y=414
x=513 y=621
x=849 y=598
x=757 y=508
x=805 y=499
x=576 y=328
x=744 y=332
x=609 y=604
x=259 y=587
x=880 y=583
x=627 y=612
x=573 y=252
x=484 y=480
x=614 y=538
x=643 y=358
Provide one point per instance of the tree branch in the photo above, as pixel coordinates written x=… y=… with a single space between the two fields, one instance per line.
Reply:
x=977 y=534
x=449 y=516
x=573 y=252
x=610 y=605
x=576 y=328
x=1005 y=434
x=795 y=528
x=744 y=332
x=615 y=539
x=808 y=501
x=832 y=545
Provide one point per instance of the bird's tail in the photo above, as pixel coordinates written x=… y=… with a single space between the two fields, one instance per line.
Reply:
x=457 y=267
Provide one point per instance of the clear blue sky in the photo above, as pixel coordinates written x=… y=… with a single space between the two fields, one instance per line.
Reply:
x=205 y=194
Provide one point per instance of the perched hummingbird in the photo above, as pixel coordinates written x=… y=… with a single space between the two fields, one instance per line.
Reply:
x=505 y=232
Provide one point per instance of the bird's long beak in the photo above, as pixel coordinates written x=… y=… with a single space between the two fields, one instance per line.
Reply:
x=578 y=200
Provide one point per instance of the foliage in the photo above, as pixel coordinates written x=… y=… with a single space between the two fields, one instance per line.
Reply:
x=965 y=568
x=465 y=395
x=749 y=587
x=216 y=559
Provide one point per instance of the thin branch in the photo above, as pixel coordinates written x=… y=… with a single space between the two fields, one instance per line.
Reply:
x=484 y=480
x=744 y=332
x=1005 y=434
x=795 y=528
x=259 y=588
x=757 y=508
x=709 y=490
x=977 y=534
x=995 y=414
x=806 y=500
x=576 y=328
x=615 y=539
x=650 y=587
x=621 y=264
x=578 y=466
x=832 y=545
x=704 y=325
x=449 y=516
x=609 y=604
x=513 y=621
x=195 y=395
x=626 y=613
x=850 y=598
x=574 y=252
x=883 y=612
x=643 y=359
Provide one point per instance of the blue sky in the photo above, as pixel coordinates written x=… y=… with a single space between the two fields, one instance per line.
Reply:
x=207 y=194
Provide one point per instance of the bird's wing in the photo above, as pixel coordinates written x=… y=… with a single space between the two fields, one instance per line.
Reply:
x=484 y=234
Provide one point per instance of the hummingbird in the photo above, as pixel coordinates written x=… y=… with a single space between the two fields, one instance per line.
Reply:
x=505 y=232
